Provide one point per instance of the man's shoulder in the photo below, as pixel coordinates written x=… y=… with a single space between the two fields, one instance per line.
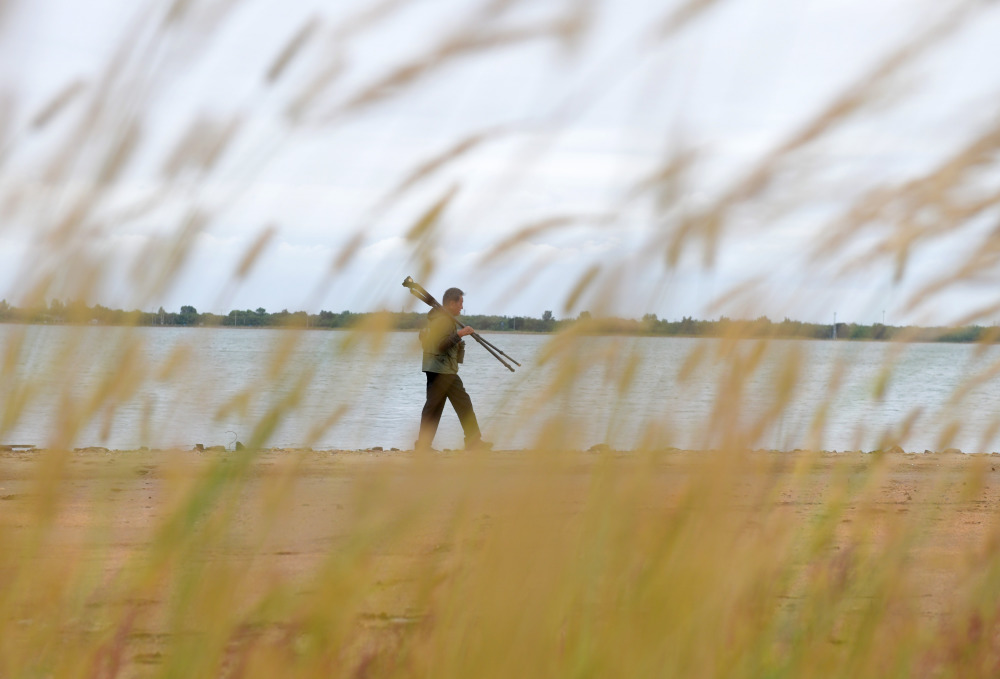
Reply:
x=439 y=319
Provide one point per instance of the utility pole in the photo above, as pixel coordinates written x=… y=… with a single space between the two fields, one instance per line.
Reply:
x=834 y=325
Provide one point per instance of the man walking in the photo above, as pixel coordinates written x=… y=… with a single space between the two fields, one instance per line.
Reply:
x=444 y=349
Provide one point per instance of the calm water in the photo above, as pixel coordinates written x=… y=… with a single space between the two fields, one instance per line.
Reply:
x=178 y=387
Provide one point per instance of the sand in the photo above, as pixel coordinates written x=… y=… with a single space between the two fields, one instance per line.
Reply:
x=297 y=507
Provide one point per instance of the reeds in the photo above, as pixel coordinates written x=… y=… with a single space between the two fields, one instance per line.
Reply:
x=735 y=560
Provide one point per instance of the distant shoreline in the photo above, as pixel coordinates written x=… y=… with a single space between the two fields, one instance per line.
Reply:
x=904 y=335
x=78 y=313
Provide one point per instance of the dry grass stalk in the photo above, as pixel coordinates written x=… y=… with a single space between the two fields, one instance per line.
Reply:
x=546 y=562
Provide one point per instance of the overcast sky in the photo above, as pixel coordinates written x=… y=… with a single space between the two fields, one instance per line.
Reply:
x=571 y=124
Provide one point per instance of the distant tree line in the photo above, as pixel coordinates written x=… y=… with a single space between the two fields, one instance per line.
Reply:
x=57 y=312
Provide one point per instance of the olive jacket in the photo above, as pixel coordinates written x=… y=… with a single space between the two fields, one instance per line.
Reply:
x=443 y=348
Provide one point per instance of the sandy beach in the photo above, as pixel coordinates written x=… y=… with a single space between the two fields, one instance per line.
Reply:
x=95 y=522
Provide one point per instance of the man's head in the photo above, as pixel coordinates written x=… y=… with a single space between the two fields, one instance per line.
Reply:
x=453 y=301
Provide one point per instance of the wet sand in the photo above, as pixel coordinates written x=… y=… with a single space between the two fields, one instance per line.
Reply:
x=107 y=506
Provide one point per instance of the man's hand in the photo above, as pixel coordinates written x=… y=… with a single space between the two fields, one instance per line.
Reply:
x=466 y=331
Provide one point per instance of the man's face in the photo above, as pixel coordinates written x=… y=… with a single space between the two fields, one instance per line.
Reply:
x=455 y=306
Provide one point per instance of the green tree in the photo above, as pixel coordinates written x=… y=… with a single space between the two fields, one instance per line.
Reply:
x=188 y=316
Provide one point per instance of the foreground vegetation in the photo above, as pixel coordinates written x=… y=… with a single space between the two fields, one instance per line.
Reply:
x=123 y=180
x=534 y=564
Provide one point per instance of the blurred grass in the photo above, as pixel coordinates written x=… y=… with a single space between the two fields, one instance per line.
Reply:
x=320 y=564
x=545 y=562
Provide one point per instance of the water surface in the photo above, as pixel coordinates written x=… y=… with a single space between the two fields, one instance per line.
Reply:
x=166 y=387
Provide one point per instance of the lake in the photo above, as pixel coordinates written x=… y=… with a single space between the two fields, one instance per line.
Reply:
x=175 y=387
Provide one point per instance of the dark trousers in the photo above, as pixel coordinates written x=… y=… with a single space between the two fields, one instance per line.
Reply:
x=439 y=388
